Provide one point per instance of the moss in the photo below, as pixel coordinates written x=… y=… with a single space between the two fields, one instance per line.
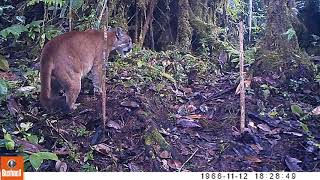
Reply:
x=184 y=27
x=279 y=53
x=283 y=67
x=154 y=137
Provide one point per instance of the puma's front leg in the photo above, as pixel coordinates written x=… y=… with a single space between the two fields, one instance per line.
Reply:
x=97 y=72
x=98 y=80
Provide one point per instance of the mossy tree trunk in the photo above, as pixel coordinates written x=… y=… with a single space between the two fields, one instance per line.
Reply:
x=278 y=24
x=279 y=55
x=184 y=28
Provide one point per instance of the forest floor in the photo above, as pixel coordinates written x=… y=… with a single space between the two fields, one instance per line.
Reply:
x=169 y=112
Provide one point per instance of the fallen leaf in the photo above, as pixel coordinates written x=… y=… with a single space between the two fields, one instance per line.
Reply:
x=256 y=147
x=204 y=108
x=113 y=124
x=165 y=164
x=293 y=133
x=4 y=65
x=292 y=164
x=182 y=110
x=275 y=131
x=165 y=155
x=184 y=151
x=196 y=116
x=131 y=104
x=187 y=90
x=316 y=111
x=28 y=146
x=188 y=123
x=174 y=164
x=211 y=152
x=133 y=167
x=102 y=148
x=62 y=151
x=264 y=127
x=13 y=107
x=164 y=132
x=191 y=108
x=25 y=89
x=253 y=159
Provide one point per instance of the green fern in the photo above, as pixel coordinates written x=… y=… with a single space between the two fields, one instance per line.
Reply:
x=76 y=4
x=48 y=2
x=291 y=33
x=15 y=30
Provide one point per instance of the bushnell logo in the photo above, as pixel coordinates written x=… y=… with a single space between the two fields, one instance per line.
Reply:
x=12 y=163
x=11 y=167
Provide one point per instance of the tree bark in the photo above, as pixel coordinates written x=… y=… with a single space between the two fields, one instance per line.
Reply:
x=184 y=28
x=279 y=55
x=278 y=23
x=149 y=18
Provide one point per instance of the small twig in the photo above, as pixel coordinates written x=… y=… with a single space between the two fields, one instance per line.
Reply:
x=194 y=153
x=213 y=96
x=57 y=131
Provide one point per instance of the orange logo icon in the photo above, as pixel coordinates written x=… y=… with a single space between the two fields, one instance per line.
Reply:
x=11 y=168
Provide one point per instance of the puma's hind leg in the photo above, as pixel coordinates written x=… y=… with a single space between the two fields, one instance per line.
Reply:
x=72 y=91
x=55 y=87
x=57 y=102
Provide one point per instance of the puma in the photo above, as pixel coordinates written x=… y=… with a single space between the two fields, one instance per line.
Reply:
x=67 y=58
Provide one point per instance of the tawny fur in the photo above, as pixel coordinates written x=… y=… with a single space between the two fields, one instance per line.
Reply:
x=66 y=59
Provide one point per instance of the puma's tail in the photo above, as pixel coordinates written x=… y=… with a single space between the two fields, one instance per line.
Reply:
x=45 y=78
x=50 y=103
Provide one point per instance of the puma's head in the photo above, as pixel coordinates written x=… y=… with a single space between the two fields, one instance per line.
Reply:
x=123 y=42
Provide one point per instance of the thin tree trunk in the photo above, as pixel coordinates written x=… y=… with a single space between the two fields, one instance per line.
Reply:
x=70 y=15
x=149 y=18
x=136 y=24
x=104 y=9
x=242 y=88
x=250 y=19
x=151 y=35
x=105 y=12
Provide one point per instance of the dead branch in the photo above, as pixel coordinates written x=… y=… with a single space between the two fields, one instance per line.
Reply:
x=242 y=88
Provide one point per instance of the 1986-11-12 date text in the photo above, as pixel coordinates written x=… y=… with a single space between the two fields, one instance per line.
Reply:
x=248 y=176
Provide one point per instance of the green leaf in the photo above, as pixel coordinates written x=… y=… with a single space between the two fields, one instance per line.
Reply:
x=168 y=76
x=4 y=65
x=36 y=160
x=48 y=156
x=33 y=139
x=9 y=142
x=76 y=4
x=16 y=30
x=296 y=110
x=26 y=126
x=35 y=23
x=290 y=33
x=48 y=2
x=3 y=88
x=304 y=127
